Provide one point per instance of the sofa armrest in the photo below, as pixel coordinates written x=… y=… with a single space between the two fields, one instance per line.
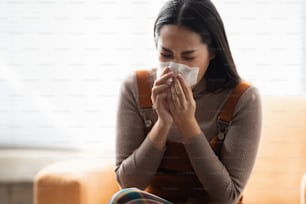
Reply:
x=303 y=190
x=76 y=181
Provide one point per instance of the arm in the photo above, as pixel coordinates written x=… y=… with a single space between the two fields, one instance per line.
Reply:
x=138 y=156
x=226 y=178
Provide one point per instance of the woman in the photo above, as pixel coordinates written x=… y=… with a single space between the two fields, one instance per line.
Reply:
x=185 y=117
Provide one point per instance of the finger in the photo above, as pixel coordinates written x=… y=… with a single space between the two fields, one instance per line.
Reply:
x=159 y=104
x=171 y=102
x=186 y=90
x=179 y=90
x=180 y=94
x=165 y=79
x=175 y=98
x=158 y=89
x=166 y=70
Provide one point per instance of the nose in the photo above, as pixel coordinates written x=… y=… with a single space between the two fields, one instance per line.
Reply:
x=177 y=60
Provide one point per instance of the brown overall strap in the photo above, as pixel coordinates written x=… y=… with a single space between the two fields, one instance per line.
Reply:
x=226 y=115
x=144 y=88
x=227 y=112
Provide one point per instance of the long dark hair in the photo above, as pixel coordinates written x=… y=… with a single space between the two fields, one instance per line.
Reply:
x=202 y=17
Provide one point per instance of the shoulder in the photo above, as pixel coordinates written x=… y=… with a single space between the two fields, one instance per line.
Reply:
x=130 y=80
x=250 y=99
x=251 y=94
x=129 y=89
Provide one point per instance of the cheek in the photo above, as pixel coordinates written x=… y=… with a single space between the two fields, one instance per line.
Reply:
x=202 y=72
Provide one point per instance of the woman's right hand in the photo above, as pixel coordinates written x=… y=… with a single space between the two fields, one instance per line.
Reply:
x=159 y=97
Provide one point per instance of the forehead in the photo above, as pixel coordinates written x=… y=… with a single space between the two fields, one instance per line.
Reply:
x=178 y=38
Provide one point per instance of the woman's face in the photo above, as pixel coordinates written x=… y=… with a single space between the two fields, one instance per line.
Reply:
x=180 y=45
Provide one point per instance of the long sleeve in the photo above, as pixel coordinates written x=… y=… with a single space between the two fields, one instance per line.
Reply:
x=224 y=178
x=136 y=158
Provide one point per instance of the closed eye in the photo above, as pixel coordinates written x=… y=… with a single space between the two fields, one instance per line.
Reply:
x=188 y=58
x=166 y=55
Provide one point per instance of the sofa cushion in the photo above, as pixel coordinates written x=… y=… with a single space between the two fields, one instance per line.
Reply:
x=281 y=160
x=76 y=181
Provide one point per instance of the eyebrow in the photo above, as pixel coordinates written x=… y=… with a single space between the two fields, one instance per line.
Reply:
x=184 y=52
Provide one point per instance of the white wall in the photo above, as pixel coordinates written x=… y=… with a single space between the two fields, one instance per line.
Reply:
x=62 y=62
x=266 y=40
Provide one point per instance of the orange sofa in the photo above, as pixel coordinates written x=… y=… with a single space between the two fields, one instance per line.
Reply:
x=277 y=176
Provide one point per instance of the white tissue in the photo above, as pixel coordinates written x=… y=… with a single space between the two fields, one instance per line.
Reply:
x=190 y=74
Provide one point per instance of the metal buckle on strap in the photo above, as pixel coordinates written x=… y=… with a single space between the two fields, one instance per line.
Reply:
x=222 y=128
x=148 y=123
x=147 y=117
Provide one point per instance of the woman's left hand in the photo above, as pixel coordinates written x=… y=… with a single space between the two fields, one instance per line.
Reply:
x=182 y=107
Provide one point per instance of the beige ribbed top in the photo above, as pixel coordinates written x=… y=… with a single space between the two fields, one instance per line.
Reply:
x=223 y=177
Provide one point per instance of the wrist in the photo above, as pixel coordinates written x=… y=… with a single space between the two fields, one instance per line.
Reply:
x=190 y=129
x=163 y=125
x=159 y=133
